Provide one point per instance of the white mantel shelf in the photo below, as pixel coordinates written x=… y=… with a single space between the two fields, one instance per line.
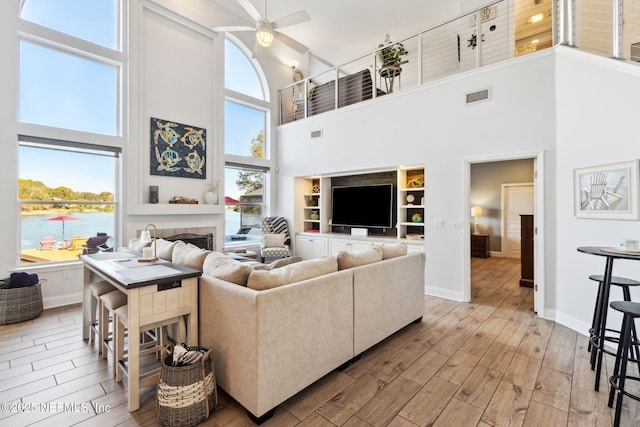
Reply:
x=175 y=209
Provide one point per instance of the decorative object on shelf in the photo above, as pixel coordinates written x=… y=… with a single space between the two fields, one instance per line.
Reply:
x=312 y=201
x=153 y=194
x=314 y=215
x=211 y=196
x=416 y=217
x=148 y=252
x=179 y=200
x=410 y=199
x=390 y=56
x=416 y=182
x=476 y=211
x=315 y=189
x=177 y=150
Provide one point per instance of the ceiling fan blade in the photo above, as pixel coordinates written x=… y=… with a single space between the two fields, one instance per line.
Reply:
x=293 y=19
x=233 y=28
x=251 y=10
x=293 y=44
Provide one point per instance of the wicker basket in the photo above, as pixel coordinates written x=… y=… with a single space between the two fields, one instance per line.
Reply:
x=186 y=394
x=20 y=304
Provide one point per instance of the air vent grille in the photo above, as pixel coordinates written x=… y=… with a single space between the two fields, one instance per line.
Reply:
x=316 y=134
x=481 y=95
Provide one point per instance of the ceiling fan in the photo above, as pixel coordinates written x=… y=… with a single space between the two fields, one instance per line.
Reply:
x=266 y=31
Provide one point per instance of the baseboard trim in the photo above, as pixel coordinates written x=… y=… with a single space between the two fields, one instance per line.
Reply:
x=443 y=293
x=62 y=300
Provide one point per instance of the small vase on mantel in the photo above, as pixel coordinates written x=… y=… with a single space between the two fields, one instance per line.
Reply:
x=211 y=196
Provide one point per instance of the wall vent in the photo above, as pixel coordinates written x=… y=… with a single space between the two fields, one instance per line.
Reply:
x=316 y=134
x=481 y=95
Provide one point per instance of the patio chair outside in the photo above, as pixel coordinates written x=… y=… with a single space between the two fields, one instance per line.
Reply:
x=47 y=242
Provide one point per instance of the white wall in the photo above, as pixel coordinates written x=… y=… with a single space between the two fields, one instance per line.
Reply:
x=597 y=117
x=431 y=125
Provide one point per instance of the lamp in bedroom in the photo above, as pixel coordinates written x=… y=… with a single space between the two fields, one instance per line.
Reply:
x=476 y=211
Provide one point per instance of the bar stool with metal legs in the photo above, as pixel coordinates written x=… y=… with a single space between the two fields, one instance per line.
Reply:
x=630 y=311
x=110 y=303
x=97 y=290
x=598 y=336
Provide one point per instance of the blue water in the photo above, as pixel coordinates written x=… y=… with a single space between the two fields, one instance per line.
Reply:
x=34 y=228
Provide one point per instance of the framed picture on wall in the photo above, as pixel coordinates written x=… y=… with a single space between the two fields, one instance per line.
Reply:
x=606 y=191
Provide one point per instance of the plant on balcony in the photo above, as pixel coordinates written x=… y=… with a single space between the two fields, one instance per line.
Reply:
x=390 y=53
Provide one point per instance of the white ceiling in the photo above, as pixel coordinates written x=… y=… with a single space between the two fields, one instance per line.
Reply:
x=342 y=30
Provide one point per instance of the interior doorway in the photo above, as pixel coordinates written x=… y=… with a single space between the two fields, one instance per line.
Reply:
x=485 y=179
x=517 y=199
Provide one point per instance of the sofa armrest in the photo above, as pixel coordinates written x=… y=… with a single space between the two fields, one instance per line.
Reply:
x=388 y=295
x=269 y=345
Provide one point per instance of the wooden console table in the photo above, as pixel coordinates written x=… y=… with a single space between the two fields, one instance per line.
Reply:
x=155 y=291
x=480 y=245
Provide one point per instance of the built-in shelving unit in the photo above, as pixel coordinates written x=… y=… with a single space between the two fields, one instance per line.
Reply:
x=411 y=203
x=312 y=205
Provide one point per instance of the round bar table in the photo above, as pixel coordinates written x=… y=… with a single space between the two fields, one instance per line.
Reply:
x=610 y=254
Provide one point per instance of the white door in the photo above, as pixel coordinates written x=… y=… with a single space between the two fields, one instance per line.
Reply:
x=517 y=199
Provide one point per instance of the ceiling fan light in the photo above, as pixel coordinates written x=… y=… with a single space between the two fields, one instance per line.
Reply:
x=264 y=36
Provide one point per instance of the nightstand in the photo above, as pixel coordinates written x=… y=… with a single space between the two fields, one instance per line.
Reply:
x=480 y=245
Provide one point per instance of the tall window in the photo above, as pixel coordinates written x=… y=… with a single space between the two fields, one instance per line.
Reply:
x=72 y=64
x=61 y=211
x=247 y=150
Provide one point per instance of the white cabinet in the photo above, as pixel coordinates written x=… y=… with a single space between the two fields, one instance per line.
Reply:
x=337 y=245
x=309 y=247
x=411 y=203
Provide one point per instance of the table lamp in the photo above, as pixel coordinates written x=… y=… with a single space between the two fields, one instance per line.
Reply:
x=145 y=237
x=476 y=211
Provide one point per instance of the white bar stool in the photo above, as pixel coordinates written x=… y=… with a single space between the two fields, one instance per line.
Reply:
x=111 y=301
x=121 y=322
x=97 y=290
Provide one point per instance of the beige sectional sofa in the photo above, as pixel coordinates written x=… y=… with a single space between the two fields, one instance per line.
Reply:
x=275 y=331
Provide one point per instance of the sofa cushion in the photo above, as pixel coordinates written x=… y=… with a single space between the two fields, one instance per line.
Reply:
x=189 y=255
x=273 y=240
x=226 y=268
x=354 y=259
x=393 y=250
x=277 y=263
x=136 y=245
x=164 y=249
x=292 y=273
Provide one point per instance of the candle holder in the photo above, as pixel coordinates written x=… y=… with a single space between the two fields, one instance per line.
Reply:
x=145 y=236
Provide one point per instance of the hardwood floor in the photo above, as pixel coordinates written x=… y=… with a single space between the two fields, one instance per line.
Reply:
x=490 y=362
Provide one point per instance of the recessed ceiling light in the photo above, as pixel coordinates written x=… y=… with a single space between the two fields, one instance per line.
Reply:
x=537 y=18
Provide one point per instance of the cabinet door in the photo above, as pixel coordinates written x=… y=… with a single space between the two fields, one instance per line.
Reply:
x=310 y=247
x=336 y=246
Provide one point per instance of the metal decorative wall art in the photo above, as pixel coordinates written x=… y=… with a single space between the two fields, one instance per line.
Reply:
x=178 y=150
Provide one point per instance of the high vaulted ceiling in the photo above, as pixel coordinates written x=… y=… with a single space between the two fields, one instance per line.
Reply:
x=342 y=30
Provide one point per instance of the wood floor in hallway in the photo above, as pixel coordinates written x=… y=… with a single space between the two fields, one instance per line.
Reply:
x=490 y=362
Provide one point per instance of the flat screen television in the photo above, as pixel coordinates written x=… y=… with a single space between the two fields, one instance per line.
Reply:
x=369 y=206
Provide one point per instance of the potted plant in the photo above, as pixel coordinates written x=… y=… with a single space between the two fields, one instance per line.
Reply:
x=390 y=53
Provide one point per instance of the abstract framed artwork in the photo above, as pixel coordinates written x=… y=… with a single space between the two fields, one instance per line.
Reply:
x=606 y=191
x=177 y=150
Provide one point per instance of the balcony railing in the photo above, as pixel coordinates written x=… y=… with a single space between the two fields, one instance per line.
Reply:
x=508 y=28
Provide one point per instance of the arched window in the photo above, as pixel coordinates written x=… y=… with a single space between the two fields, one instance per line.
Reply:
x=247 y=148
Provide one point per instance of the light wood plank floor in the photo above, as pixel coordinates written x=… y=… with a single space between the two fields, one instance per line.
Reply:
x=490 y=362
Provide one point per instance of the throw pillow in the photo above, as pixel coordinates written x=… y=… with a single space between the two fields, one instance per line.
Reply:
x=394 y=250
x=292 y=273
x=277 y=263
x=136 y=245
x=192 y=257
x=164 y=249
x=273 y=240
x=354 y=259
x=223 y=267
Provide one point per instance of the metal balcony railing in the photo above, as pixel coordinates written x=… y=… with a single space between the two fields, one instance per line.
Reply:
x=507 y=28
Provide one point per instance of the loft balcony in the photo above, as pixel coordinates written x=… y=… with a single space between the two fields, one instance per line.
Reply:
x=507 y=29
